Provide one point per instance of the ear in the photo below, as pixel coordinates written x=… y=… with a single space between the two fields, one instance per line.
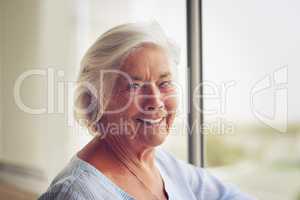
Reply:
x=85 y=106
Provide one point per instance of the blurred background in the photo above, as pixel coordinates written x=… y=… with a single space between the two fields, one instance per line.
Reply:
x=251 y=103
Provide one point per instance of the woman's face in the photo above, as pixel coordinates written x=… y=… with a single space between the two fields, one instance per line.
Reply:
x=144 y=97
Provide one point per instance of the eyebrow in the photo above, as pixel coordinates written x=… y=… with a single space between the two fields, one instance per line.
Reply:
x=137 y=78
x=165 y=75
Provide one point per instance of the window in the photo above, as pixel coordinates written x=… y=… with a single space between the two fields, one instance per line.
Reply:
x=251 y=106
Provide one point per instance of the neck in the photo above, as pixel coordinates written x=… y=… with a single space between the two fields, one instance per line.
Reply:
x=134 y=159
x=130 y=152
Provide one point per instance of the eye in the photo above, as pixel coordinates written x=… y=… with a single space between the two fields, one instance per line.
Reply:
x=134 y=86
x=166 y=84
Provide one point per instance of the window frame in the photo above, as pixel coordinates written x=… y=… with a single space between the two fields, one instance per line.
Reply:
x=195 y=79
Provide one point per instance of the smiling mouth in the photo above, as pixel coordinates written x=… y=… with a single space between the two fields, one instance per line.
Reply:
x=151 y=122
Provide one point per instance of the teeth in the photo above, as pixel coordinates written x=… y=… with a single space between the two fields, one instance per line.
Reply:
x=151 y=121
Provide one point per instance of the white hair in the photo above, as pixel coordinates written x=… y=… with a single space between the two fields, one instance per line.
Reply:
x=108 y=53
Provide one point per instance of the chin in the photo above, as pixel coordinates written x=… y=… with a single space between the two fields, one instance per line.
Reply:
x=153 y=136
x=154 y=139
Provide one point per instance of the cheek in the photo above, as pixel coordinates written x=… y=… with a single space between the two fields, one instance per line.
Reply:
x=128 y=106
x=171 y=106
x=171 y=103
x=118 y=107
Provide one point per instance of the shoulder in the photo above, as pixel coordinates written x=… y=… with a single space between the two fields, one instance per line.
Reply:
x=68 y=189
x=203 y=184
x=71 y=183
x=174 y=167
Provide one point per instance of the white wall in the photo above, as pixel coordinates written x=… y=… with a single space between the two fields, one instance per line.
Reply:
x=20 y=52
x=1 y=84
x=36 y=35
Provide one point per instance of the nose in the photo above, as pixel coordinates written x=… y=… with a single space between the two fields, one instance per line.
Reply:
x=153 y=107
x=152 y=100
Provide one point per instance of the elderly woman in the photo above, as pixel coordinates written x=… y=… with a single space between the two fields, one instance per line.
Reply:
x=126 y=98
